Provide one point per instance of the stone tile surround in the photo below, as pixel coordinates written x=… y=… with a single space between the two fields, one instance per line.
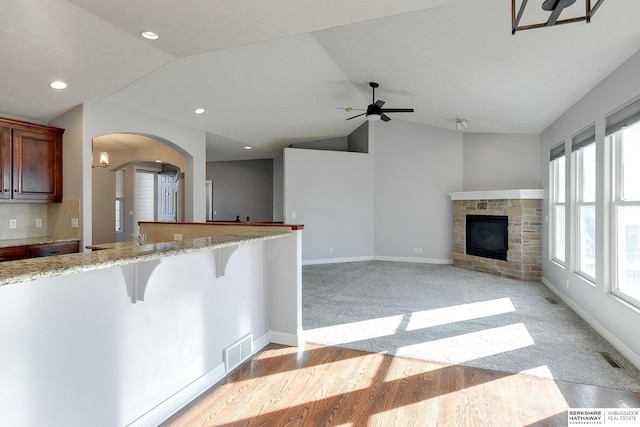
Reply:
x=524 y=210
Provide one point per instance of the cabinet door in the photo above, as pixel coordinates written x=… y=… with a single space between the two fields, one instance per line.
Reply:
x=49 y=249
x=10 y=254
x=37 y=165
x=5 y=163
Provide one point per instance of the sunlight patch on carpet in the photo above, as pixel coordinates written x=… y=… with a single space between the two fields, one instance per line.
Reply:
x=459 y=313
x=390 y=325
x=539 y=371
x=475 y=345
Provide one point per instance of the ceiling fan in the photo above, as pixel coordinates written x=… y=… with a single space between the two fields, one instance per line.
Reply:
x=375 y=110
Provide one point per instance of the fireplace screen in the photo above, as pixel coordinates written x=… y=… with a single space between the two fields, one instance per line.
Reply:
x=487 y=236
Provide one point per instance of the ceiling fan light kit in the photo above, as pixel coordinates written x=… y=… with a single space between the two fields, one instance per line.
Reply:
x=462 y=124
x=375 y=111
x=555 y=7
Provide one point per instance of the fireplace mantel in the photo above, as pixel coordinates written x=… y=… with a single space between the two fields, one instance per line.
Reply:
x=531 y=194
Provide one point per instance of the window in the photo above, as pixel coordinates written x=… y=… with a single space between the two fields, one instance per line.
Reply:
x=557 y=197
x=623 y=131
x=584 y=150
x=119 y=214
x=145 y=198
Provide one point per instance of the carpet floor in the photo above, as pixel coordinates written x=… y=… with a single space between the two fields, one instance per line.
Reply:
x=450 y=315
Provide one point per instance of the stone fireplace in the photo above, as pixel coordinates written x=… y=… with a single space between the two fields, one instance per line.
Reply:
x=523 y=209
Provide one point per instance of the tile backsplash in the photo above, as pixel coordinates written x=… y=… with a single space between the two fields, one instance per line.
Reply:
x=39 y=219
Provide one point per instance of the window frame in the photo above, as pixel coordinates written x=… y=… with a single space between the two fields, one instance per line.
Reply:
x=554 y=203
x=579 y=204
x=617 y=203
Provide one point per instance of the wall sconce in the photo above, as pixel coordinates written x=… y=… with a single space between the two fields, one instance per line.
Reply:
x=103 y=160
x=461 y=124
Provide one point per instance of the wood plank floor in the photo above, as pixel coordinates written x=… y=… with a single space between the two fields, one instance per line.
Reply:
x=318 y=385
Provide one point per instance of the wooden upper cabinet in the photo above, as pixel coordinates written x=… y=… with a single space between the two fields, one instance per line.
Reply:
x=31 y=162
x=5 y=163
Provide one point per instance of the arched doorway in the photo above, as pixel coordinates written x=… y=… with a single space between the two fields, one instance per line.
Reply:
x=143 y=181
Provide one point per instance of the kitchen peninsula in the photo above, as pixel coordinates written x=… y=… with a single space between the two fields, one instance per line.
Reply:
x=129 y=334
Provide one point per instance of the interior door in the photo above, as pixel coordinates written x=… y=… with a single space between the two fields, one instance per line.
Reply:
x=167 y=200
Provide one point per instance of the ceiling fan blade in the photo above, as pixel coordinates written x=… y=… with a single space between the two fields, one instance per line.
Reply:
x=356 y=116
x=384 y=117
x=397 y=110
x=379 y=103
x=349 y=109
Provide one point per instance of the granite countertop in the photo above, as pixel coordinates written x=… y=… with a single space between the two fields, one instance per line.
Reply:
x=115 y=254
x=34 y=241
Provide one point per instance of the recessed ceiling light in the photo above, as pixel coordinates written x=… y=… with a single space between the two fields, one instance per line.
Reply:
x=149 y=35
x=199 y=110
x=247 y=147
x=58 y=84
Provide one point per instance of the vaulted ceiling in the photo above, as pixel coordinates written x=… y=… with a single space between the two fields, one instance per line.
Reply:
x=274 y=72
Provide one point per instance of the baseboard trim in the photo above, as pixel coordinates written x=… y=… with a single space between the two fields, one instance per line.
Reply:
x=378 y=258
x=179 y=400
x=336 y=260
x=414 y=260
x=260 y=343
x=284 y=338
x=631 y=355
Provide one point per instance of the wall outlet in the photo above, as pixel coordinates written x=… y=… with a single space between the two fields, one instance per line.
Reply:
x=415 y=250
x=39 y=223
x=13 y=223
x=567 y=284
x=177 y=237
x=293 y=215
x=419 y=250
x=330 y=251
x=74 y=222
x=215 y=213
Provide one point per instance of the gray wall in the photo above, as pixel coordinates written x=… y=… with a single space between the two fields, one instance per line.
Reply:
x=607 y=314
x=501 y=161
x=358 y=140
x=383 y=204
x=416 y=166
x=331 y=193
x=336 y=144
x=278 y=188
x=242 y=188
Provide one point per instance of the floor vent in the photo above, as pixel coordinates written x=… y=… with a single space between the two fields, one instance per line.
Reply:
x=551 y=300
x=610 y=359
x=238 y=352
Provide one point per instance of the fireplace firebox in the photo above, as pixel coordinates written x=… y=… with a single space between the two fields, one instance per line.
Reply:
x=487 y=236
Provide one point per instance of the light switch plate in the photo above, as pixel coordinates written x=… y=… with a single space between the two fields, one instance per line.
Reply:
x=39 y=223
x=74 y=222
x=13 y=223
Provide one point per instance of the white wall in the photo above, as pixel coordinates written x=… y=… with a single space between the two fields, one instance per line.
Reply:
x=416 y=166
x=609 y=315
x=331 y=193
x=77 y=352
x=501 y=161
